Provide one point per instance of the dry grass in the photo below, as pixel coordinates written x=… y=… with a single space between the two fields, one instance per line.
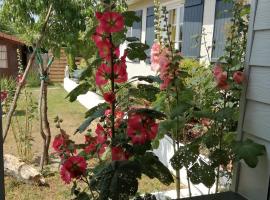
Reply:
x=73 y=115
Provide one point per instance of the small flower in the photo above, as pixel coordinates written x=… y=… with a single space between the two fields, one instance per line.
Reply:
x=3 y=96
x=119 y=154
x=111 y=22
x=238 y=77
x=91 y=144
x=101 y=134
x=109 y=97
x=73 y=168
x=155 y=51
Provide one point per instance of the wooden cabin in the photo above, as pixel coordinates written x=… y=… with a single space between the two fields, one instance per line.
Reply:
x=8 y=54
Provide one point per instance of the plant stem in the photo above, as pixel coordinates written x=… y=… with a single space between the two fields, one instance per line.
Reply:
x=112 y=88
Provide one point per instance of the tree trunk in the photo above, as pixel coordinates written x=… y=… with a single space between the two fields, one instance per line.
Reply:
x=20 y=85
x=21 y=171
x=2 y=180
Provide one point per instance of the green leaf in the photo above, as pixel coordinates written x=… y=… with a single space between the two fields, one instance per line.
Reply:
x=89 y=70
x=136 y=50
x=132 y=39
x=130 y=17
x=149 y=112
x=80 y=89
x=149 y=79
x=117 y=179
x=249 y=151
x=91 y=115
x=186 y=155
x=153 y=168
x=202 y=173
x=143 y=91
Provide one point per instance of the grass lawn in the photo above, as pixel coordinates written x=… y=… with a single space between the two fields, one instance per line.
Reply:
x=73 y=115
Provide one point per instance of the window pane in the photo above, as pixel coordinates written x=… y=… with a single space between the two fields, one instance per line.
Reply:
x=137 y=26
x=3 y=56
x=150 y=33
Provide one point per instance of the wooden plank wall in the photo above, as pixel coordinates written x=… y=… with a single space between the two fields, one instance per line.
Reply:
x=255 y=115
x=57 y=72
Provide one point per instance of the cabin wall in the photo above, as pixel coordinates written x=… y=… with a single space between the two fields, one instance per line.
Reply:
x=12 y=68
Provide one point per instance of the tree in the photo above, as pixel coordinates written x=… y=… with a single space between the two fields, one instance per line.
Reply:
x=70 y=23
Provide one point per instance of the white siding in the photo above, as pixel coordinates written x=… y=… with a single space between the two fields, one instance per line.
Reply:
x=255 y=115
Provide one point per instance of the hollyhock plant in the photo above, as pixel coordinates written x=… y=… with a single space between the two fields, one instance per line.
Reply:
x=73 y=168
x=121 y=137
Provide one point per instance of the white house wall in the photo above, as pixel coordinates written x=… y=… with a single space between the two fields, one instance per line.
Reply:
x=208 y=26
x=255 y=114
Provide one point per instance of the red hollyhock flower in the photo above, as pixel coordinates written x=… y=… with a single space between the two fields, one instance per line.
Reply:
x=118 y=117
x=238 y=77
x=111 y=22
x=120 y=72
x=3 y=96
x=91 y=144
x=119 y=154
x=73 y=167
x=109 y=97
x=104 y=49
x=102 y=150
x=141 y=128
x=138 y=136
x=60 y=142
x=101 y=134
x=103 y=74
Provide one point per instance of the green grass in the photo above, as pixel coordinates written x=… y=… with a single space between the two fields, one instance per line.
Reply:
x=73 y=115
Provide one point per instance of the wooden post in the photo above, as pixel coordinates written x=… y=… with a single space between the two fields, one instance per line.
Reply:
x=2 y=180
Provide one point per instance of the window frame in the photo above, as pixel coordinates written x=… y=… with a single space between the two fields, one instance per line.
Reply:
x=4 y=52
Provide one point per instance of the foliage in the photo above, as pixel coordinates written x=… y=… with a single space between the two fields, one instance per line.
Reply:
x=8 y=86
x=125 y=123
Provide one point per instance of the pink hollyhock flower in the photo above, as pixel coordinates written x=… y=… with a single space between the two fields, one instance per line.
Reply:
x=217 y=69
x=118 y=117
x=111 y=22
x=222 y=81
x=103 y=73
x=104 y=49
x=119 y=154
x=101 y=134
x=220 y=77
x=205 y=122
x=166 y=82
x=109 y=97
x=155 y=51
x=3 y=96
x=238 y=77
x=20 y=79
x=73 y=168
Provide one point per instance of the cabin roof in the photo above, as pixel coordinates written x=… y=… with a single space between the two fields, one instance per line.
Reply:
x=11 y=38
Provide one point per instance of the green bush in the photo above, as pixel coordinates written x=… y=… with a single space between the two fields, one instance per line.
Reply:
x=8 y=84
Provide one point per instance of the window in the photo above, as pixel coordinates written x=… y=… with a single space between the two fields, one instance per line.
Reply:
x=136 y=29
x=176 y=20
x=3 y=56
